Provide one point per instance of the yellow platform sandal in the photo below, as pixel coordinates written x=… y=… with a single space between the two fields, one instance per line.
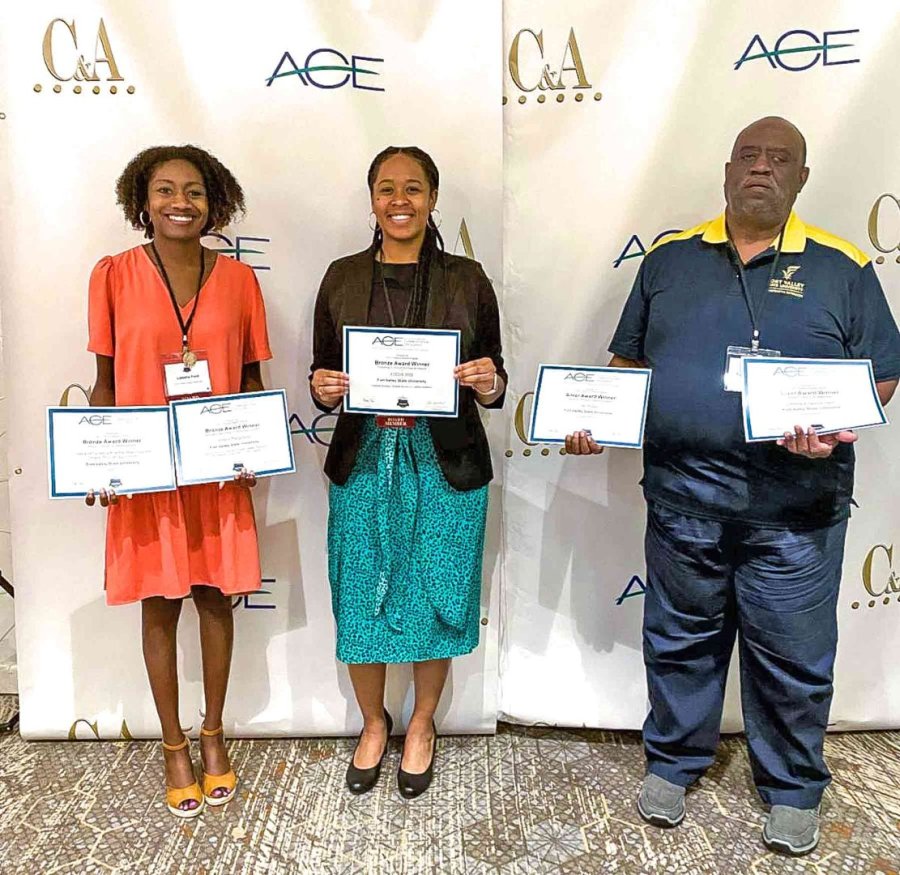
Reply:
x=177 y=796
x=211 y=783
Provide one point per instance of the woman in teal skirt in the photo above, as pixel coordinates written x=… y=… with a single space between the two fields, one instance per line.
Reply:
x=408 y=495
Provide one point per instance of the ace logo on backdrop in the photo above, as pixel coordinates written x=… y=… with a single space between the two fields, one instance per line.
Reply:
x=798 y=50
x=531 y=71
x=79 y=52
x=236 y=248
x=635 y=248
x=329 y=69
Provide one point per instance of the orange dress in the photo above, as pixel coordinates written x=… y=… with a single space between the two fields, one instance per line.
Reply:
x=163 y=543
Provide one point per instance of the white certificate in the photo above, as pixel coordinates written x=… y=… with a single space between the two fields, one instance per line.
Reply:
x=828 y=395
x=216 y=437
x=401 y=371
x=128 y=449
x=608 y=403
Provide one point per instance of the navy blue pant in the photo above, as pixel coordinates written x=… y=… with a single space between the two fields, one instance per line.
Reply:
x=776 y=589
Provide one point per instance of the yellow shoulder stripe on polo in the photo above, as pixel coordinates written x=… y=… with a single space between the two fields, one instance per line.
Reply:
x=825 y=239
x=696 y=231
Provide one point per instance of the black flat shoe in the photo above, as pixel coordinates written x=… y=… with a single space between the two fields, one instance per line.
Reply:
x=362 y=780
x=413 y=785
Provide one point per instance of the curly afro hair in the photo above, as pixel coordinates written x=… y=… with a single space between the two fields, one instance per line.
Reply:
x=223 y=192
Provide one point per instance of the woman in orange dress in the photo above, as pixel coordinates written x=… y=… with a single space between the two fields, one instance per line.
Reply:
x=172 y=297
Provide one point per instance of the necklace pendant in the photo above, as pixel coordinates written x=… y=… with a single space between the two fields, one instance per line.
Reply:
x=189 y=358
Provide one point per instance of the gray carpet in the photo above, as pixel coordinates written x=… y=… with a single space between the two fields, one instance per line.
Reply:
x=532 y=800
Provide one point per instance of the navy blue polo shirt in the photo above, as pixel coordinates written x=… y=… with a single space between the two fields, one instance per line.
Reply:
x=686 y=307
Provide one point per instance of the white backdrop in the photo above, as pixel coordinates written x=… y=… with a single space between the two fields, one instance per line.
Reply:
x=301 y=152
x=583 y=177
x=586 y=185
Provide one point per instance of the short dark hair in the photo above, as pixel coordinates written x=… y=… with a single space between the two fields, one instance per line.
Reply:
x=223 y=192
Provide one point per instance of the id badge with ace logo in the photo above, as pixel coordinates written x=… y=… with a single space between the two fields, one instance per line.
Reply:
x=183 y=381
x=734 y=370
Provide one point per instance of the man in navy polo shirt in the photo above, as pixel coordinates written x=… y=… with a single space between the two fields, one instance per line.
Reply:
x=745 y=540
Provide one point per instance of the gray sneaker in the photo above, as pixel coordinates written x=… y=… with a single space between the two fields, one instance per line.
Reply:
x=661 y=803
x=793 y=831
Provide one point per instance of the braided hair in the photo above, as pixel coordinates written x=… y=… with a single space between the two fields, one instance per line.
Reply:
x=433 y=244
x=223 y=192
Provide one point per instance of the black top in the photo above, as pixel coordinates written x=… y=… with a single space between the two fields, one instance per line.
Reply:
x=823 y=301
x=460 y=296
x=399 y=280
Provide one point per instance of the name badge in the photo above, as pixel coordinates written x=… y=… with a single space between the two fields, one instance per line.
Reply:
x=186 y=381
x=733 y=379
x=395 y=421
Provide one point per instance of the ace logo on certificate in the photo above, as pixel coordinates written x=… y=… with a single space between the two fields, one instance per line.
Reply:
x=401 y=371
x=610 y=404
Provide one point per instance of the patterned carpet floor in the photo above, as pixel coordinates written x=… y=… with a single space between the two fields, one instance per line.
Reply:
x=534 y=800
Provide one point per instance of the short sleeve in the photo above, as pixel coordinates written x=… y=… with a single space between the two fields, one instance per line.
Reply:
x=256 y=332
x=628 y=340
x=101 y=310
x=873 y=331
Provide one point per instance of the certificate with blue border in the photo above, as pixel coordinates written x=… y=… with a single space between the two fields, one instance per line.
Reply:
x=217 y=436
x=829 y=395
x=127 y=449
x=405 y=371
x=608 y=403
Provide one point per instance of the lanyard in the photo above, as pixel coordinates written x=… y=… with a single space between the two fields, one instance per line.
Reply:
x=387 y=297
x=187 y=356
x=756 y=314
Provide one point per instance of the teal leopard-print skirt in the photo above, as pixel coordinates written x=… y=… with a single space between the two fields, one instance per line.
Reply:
x=404 y=553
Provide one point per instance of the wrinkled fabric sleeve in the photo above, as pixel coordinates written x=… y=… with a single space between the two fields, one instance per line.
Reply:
x=327 y=351
x=101 y=309
x=873 y=331
x=487 y=342
x=256 y=332
x=628 y=339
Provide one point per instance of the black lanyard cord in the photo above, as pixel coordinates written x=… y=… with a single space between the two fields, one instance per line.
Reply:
x=184 y=326
x=756 y=314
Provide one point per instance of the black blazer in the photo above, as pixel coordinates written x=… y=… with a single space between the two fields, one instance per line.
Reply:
x=460 y=296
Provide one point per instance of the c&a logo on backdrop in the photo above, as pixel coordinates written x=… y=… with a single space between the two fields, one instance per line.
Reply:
x=884 y=226
x=81 y=54
x=329 y=69
x=530 y=71
x=521 y=418
x=879 y=577
x=798 y=50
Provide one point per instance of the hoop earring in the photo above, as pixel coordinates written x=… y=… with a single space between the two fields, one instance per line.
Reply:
x=142 y=220
x=372 y=225
x=440 y=218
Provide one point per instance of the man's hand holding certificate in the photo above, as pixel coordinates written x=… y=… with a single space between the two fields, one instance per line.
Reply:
x=401 y=371
x=822 y=395
x=608 y=403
